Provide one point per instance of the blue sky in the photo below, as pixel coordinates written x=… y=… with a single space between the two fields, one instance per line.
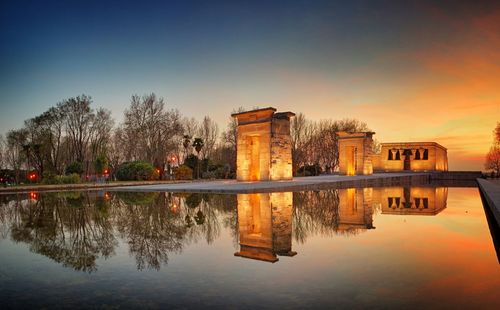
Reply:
x=371 y=60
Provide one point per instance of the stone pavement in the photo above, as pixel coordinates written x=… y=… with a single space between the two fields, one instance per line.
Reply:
x=491 y=193
x=297 y=184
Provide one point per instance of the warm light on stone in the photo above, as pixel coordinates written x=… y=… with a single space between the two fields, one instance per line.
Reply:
x=356 y=155
x=265 y=226
x=413 y=156
x=263 y=146
x=355 y=152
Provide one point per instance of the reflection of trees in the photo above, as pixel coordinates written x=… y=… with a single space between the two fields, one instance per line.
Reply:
x=76 y=229
x=152 y=229
x=68 y=228
x=228 y=205
x=163 y=223
x=315 y=212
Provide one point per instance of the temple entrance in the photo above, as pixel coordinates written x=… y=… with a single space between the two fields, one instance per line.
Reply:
x=254 y=158
x=351 y=160
x=254 y=228
x=407 y=163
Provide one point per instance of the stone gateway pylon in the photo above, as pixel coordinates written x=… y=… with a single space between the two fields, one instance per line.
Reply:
x=263 y=145
x=355 y=152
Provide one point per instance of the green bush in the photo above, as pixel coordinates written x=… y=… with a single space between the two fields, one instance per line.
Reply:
x=136 y=171
x=194 y=163
x=73 y=178
x=74 y=167
x=183 y=172
x=100 y=164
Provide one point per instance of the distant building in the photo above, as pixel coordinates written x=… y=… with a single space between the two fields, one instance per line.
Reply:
x=411 y=156
x=356 y=155
x=263 y=145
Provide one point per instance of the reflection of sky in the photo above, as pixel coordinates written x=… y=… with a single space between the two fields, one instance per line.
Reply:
x=411 y=71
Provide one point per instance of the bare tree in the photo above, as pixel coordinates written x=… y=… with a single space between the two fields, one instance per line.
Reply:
x=100 y=133
x=315 y=143
x=227 y=146
x=297 y=131
x=2 y=152
x=151 y=132
x=54 y=120
x=78 y=124
x=493 y=160
x=15 y=154
x=208 y=132
x=117 y=151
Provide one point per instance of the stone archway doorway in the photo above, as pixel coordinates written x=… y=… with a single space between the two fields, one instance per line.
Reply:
x=351 y=160
x=254 y=158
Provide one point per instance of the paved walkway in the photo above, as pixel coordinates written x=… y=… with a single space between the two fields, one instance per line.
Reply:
x=297 y=184
x=491 y=193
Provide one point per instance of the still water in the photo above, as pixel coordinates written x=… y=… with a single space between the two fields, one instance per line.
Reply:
x=345 y=248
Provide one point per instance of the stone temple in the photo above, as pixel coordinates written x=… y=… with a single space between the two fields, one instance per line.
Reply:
x=264 y=150
x=356 y=155
x=263 y=145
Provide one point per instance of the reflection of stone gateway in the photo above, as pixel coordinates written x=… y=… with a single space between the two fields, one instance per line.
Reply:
x=355 y=209
x=264 y=146
x=265 y=226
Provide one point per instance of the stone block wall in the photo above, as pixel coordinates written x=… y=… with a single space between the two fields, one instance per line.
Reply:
x=437 y=157
x=281 y=150
x=282 y=209
x=263 y=146
x=361 y=144
x=265 y=225
x=355 y=208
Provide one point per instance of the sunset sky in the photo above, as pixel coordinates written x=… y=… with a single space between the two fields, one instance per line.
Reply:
x=412 y=70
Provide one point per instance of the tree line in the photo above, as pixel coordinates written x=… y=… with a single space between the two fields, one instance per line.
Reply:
x=74 y=138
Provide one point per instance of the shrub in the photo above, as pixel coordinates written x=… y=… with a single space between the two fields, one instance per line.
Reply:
x=61 y=179
x=309 y=170
x=209 y=175
x=100 y=164
x=183 y=173
x=71 y=179
x=194 y=163
x=136 y=171
x=74 y=167
x=191 y=161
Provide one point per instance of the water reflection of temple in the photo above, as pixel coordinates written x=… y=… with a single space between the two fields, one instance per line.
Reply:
x=355 y=209
x=265 y=226
x=411 y=200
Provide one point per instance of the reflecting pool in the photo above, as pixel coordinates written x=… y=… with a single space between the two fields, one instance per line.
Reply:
x=346 y=248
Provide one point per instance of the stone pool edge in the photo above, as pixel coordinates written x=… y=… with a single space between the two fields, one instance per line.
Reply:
x=491 y=194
